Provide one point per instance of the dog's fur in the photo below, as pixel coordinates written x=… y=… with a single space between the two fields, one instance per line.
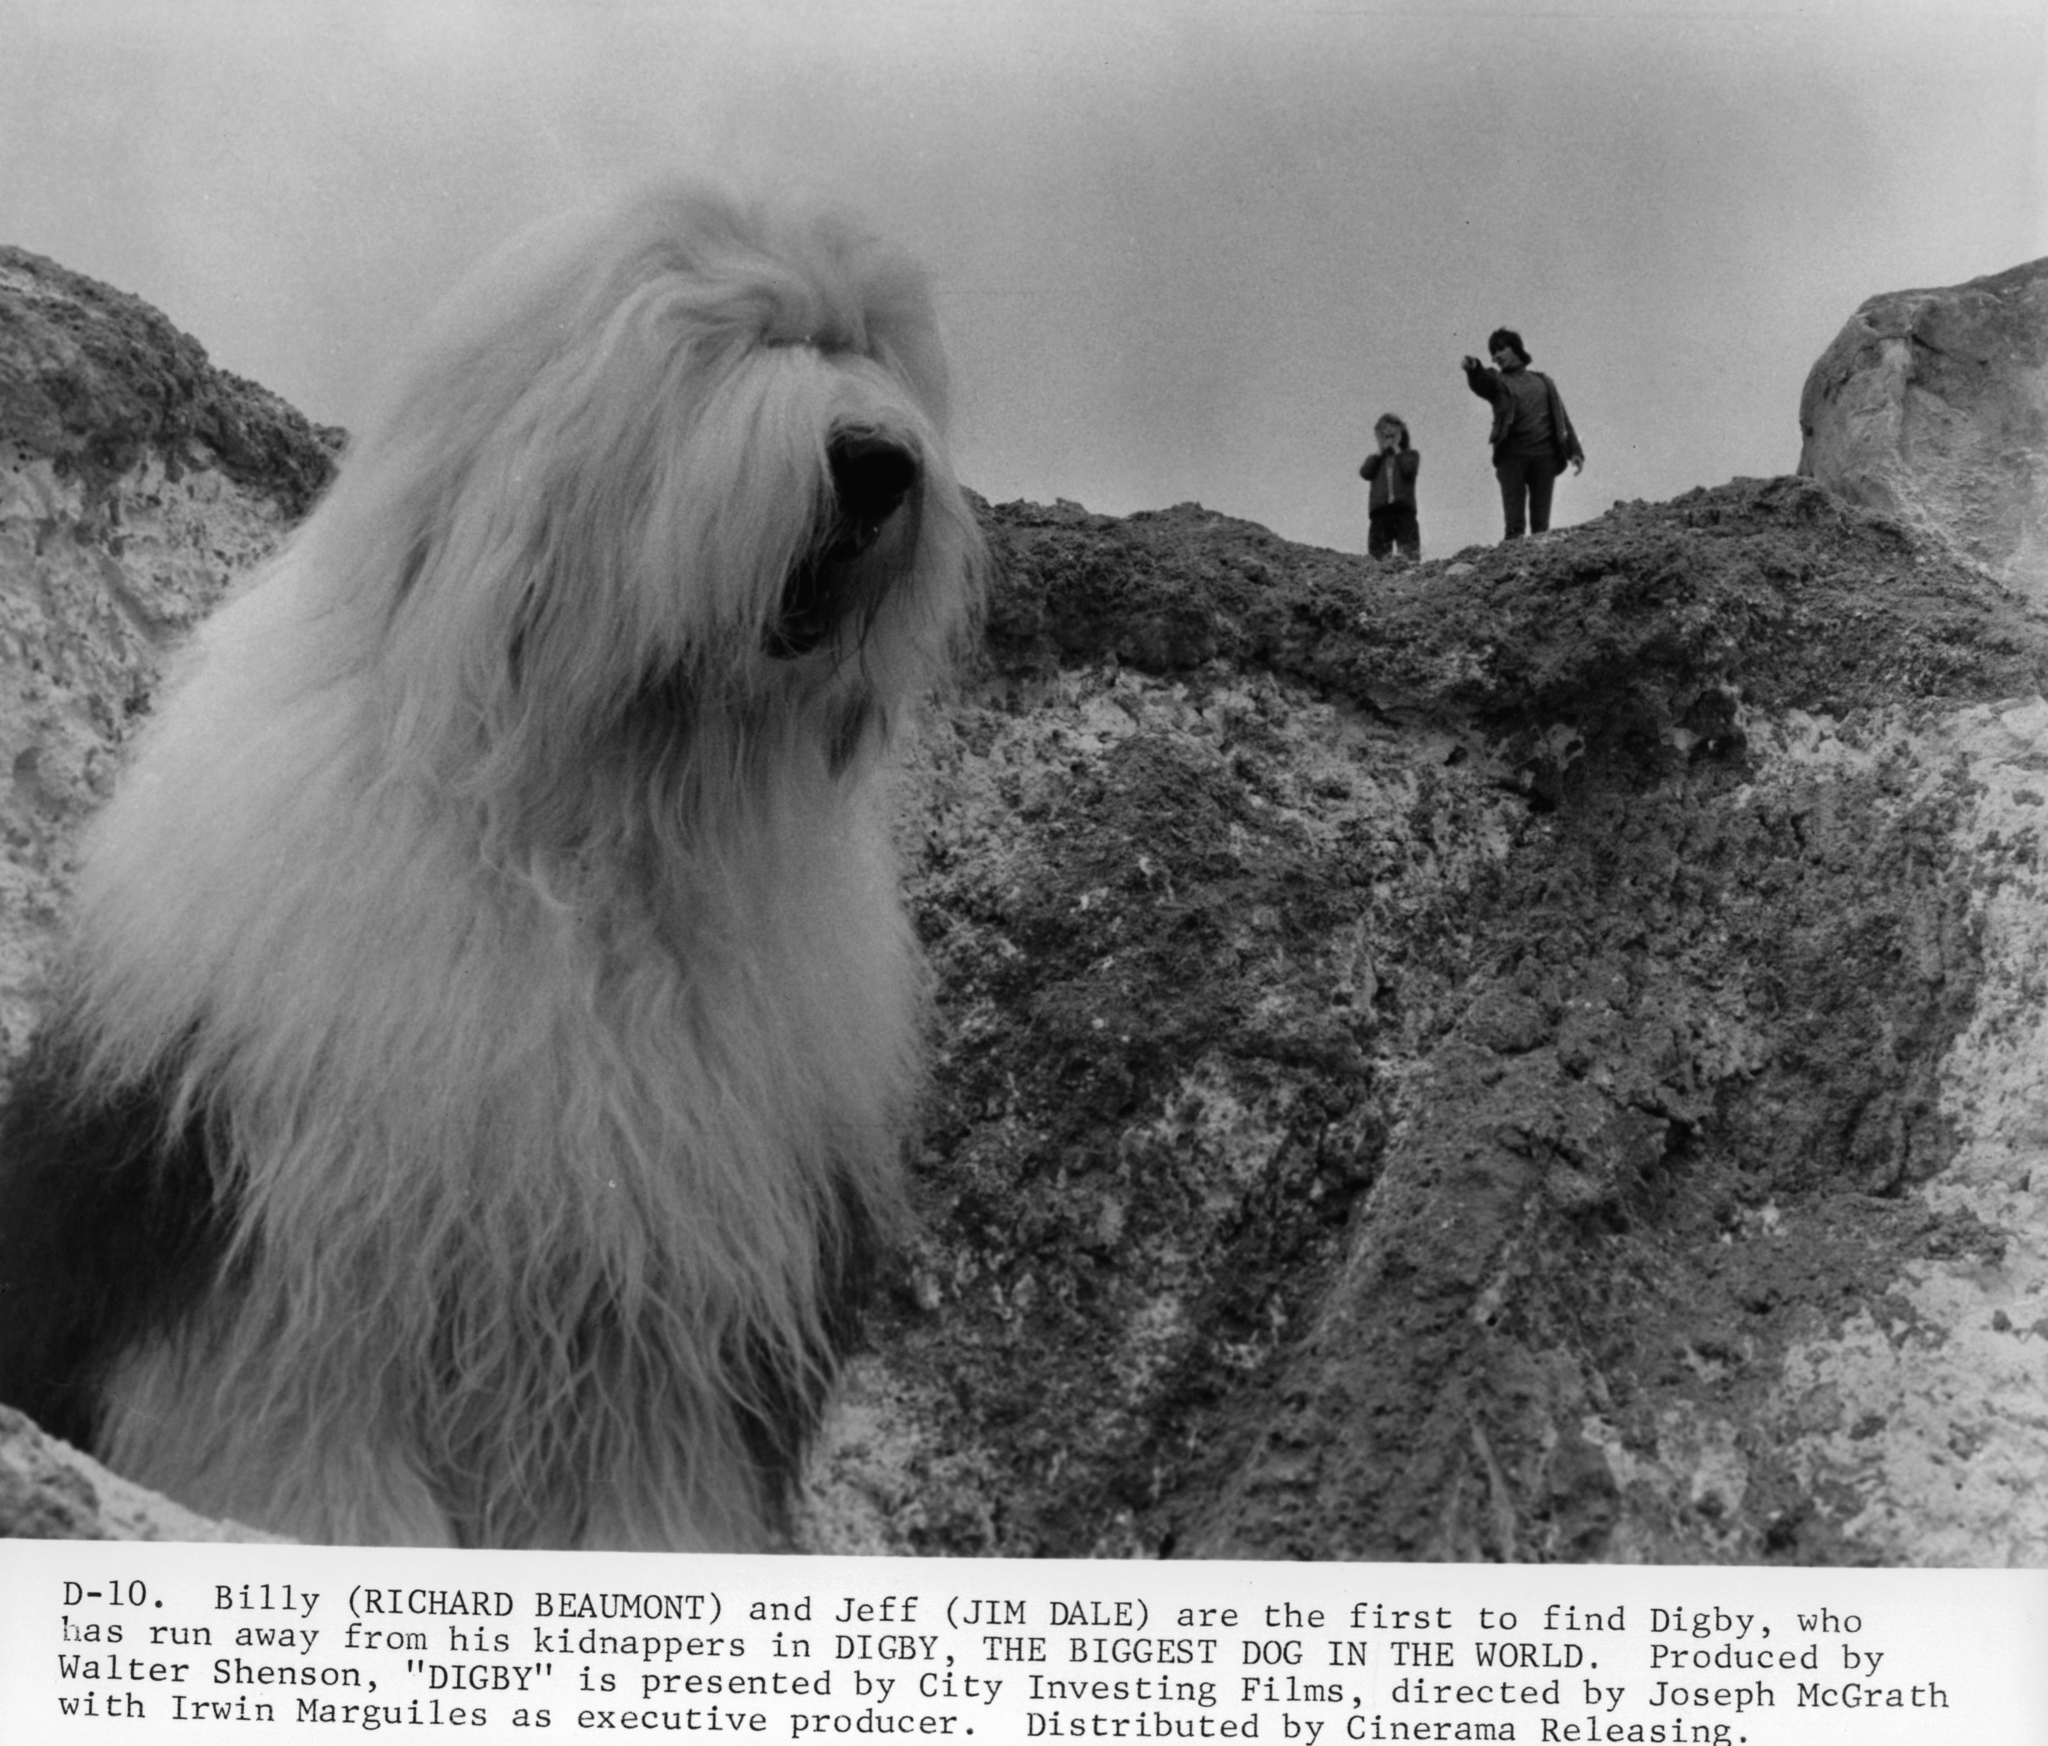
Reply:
x=494 y=1023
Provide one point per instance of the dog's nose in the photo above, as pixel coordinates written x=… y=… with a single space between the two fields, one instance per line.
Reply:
x=871 y=476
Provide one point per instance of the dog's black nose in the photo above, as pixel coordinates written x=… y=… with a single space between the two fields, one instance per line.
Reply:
x=871 y=476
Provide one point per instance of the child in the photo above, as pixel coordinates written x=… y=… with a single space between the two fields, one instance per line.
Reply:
x=1390 y=514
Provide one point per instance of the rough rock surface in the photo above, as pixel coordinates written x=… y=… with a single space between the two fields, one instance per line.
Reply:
x=135 y=481
x=1529 y=1058
x=51 y=1491
x=1933 y=407
x=1534 y=1056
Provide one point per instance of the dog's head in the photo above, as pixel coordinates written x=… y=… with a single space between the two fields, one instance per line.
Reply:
x=673 y=476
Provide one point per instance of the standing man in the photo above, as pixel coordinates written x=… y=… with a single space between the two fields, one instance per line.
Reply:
x=1532 y=435
x=1390 y=510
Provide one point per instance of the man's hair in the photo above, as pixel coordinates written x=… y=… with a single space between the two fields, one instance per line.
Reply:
x=1506 y=336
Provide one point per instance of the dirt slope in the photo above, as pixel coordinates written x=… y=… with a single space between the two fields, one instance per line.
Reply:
x=1429 y=1055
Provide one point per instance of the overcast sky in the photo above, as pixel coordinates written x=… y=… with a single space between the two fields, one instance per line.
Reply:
x=1183 y=250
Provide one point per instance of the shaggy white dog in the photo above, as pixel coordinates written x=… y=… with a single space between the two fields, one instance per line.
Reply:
x=495 y=1024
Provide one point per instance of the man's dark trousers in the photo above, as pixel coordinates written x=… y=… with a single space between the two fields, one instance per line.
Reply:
x=1535 y=475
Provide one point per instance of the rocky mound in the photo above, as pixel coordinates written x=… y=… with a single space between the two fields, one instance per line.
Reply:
x=97 y=382
x=1524 y=1057
x=1933 y=407
x=135 y=481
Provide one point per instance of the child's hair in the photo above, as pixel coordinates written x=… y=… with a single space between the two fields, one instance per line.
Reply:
x=1506 y=336
x=1396 y=420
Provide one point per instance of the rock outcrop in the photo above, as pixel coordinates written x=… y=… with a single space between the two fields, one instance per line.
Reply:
x=1525 y=1058
x=135 y=481
x=1932 y=406
x=1531 y=1056
x=50 y=1491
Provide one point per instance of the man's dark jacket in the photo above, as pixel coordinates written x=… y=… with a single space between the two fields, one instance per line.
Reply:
x=1487 y=384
